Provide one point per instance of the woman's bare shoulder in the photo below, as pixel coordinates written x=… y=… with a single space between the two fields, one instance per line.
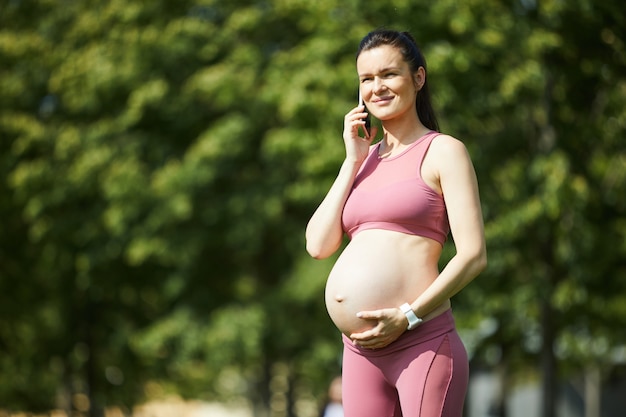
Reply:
x=447 y=148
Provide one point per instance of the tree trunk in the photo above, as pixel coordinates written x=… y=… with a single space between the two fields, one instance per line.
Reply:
x=593 y=391
x=546 y=144
x=549 y=389
x=261 y=392
x=499 y=406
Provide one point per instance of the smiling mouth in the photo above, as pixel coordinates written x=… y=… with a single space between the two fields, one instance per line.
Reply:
x=382 y=100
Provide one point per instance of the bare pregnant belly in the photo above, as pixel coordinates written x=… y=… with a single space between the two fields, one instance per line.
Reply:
x=378 y=269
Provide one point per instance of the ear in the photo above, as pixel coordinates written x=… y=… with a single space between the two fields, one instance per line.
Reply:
x=419 y=78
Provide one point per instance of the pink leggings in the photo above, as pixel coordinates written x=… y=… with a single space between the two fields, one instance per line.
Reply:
x=422 y=374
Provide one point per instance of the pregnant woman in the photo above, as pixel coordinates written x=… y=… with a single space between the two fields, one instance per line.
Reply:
x=397 y=201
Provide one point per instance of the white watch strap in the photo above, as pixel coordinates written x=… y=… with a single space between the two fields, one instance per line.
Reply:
x=414 y=321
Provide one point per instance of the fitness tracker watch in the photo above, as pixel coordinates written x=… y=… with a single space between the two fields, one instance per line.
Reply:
x=414 y=321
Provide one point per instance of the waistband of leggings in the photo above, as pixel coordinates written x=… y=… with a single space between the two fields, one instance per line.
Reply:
x=431 y=329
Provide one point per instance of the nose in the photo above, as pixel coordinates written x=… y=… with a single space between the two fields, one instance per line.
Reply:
x=379 y=84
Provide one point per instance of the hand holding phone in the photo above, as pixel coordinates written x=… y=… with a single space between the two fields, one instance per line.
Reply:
x=368 y=119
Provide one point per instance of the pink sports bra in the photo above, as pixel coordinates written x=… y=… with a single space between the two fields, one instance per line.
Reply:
x=390 y=194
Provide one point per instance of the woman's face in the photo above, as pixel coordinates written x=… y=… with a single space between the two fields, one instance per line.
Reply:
x=387 y=85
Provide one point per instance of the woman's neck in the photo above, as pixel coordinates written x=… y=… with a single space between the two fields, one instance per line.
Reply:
x=399 y=133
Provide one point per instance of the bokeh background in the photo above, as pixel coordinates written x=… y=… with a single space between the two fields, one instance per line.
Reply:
x=159 y=161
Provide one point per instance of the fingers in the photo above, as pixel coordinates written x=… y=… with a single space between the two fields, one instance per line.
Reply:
x=355 y=119
x=371 y=333
x=370 y=315
x=357 y=109
x=363 y=336
x=385 y=330
x=357 y=113
x=370 y=339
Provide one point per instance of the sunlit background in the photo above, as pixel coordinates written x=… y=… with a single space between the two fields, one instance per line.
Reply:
x=159 y=161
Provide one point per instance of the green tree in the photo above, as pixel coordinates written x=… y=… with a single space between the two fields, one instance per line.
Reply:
x=538 y=89
x=160 y=161
x=155 y=185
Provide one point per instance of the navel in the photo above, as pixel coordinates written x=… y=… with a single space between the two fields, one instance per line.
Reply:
x=339 y=298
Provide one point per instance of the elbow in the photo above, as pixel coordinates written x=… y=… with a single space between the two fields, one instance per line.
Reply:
x=474 y=260
x=321 y=246
x=314 y=252
x=480 y=260
x=313 y=246
x=317 y=251
x=483 y=264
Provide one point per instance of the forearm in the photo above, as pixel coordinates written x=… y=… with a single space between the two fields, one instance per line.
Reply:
x=324 y=232
x=459 y=272
x=460 y=190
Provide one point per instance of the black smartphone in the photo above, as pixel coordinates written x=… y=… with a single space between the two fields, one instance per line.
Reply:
x=368 y=119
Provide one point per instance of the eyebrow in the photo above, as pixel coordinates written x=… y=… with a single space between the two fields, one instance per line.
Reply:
x=382 y=70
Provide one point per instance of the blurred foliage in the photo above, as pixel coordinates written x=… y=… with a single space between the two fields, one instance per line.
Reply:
x=160 y=160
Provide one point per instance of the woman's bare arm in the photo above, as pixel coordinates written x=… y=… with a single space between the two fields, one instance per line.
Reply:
x=324 y=232
x=460 y=190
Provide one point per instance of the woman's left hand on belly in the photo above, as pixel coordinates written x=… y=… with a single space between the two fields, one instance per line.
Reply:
x=390 y=323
